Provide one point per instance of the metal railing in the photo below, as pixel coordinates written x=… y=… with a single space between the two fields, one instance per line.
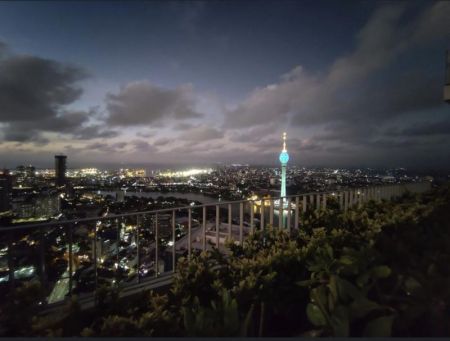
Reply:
x=132 y=249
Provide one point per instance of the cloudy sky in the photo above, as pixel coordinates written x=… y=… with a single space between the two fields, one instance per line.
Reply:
x=353 y=83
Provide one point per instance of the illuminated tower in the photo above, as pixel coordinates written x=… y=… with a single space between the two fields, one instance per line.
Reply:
x=284 y=158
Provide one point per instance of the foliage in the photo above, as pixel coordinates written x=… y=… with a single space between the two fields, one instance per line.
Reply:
x=20 y=306
x=221 y=319
x=377 y=270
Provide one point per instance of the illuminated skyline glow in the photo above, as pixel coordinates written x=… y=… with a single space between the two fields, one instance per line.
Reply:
x=185 y=173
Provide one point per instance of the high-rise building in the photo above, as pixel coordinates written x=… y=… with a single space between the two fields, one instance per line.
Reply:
x=44 y=205
x=24 y=175
x=60 y=170
x=5 y=190
x=30 y=171
x=284 y=158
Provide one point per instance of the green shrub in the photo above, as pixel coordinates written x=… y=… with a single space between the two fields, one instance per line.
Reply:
x=377 y=270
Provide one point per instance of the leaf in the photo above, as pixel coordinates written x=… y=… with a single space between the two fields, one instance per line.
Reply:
x=339 y=321
x=306 y=283
x=312 y=333
x=329 y=250
x=380 y=327
x=333 y=286
x=188 y=319
x=231 y=316
x=411 y=285
x=319 y=296
x=315 y=315
x=347 y=290
x=200 y=321
x=362 y=279
x=431 y=269
x=333 y=295
x=346 y=260
x=361 y=307
x=381 y=271
x=247 y=320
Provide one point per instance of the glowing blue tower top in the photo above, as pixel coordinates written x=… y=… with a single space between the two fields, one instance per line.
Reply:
x=284 y=158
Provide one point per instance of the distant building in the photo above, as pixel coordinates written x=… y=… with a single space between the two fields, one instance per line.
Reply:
x=133 y=173
x=60 y=170
x=24 y=174
x=20 y=174
x=388 y=178
x=30 y=171
x=5 y=190
x=42 y=206
x=120 y=196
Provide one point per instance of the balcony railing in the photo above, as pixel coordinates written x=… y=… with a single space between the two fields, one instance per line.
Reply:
x=135 y=250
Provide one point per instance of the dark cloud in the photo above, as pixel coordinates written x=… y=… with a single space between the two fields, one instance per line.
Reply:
x=143 y=146
x=201 y=133
x=183 y=126
x=145 y=134
x=70 y=123
x=92 y=132
x=22 y=135
x=33 y=88
x=163 y=141
x=119 y=145
x=295 y=146
x=351 y=89
x=97 y=147
x=441 y=127
x=349 y=107
x=34 y=93
x=409 y=144
x=104 y=147
x=141 y=103
x=253 y=134
x=433 y=24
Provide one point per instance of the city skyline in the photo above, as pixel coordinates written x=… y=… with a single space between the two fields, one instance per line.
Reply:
x=357 y=84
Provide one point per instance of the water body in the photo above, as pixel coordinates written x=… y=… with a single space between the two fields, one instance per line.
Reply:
x=155 y=195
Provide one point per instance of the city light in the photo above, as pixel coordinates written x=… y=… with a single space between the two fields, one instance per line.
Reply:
x=186 y=173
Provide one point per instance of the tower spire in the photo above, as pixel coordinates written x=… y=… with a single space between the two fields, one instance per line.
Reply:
x=284 y=158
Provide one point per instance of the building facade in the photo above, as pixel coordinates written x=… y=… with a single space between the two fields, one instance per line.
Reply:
x=5 y=190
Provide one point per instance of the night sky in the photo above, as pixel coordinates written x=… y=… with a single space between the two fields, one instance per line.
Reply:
x=353 y=83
